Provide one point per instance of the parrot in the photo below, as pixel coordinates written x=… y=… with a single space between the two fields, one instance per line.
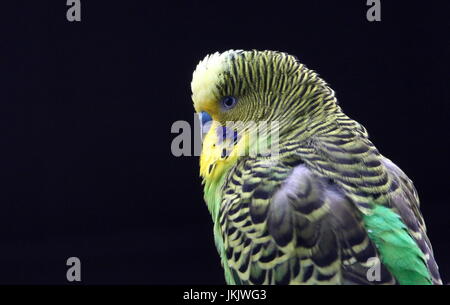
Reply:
x=324 y=207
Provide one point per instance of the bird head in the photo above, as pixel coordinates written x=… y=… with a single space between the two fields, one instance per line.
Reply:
x=246 y=86
x=255 y=86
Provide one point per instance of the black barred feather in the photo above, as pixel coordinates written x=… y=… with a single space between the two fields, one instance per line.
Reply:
x=297 y=218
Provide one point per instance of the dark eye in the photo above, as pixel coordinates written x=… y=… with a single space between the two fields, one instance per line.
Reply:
x=229 y=102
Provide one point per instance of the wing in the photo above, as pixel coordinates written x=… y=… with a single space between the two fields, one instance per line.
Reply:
x=283 y=224
x=365 y=176
x=406 y=202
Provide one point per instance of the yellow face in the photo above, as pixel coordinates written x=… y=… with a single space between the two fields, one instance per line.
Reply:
x=253 y=87
x=212 y=160
x=206 y=98
x=245 y=87
x=204 y=84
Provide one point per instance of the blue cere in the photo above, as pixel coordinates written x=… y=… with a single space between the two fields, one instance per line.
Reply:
x=205 y=117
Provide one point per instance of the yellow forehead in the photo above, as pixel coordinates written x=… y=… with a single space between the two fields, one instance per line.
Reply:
x=205 y=79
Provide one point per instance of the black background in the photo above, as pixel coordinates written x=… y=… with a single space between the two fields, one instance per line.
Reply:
x=87 y=107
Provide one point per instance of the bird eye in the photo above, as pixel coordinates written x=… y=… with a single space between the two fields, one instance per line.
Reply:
x=229 y=102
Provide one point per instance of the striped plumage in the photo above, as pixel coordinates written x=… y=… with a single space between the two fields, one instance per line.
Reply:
x=320 y=210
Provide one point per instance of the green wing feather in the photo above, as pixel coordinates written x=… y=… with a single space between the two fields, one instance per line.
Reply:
x=400 y=252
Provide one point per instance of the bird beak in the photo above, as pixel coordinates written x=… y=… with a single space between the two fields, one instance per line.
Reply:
x=205 y=123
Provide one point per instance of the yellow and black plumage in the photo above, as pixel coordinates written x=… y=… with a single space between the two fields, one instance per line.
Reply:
x=323 y=210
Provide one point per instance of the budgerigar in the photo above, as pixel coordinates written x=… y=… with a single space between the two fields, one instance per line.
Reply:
x=327 y=208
